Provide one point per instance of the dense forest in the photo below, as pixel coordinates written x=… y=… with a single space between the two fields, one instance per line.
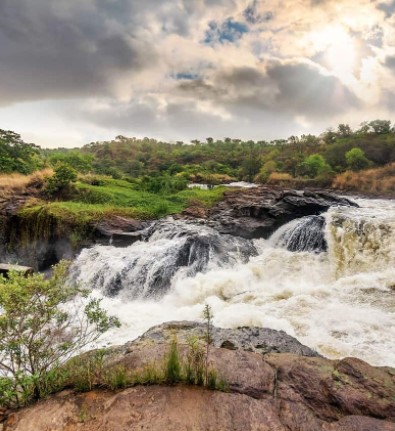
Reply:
x=155 y=165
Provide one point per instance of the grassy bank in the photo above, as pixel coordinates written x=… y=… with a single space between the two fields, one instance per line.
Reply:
x=87 y=204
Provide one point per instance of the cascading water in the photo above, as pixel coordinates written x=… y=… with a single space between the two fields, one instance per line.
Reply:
x=303 y=234
x=146 y=269
x=340 y=301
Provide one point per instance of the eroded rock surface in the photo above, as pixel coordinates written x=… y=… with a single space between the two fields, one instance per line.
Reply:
x=259 y=340
x=258 y=212
x=266 y=392
x=41 y=246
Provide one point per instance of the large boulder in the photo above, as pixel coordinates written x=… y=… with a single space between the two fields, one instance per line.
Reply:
x=258 y=212
x=269 y=389
x=252 y=339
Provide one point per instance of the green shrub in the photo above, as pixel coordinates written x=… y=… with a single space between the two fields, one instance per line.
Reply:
x=116 y=377
x=64 y=176
x=195 y=361
x=356 y=159
x=173 y=368
x=38 y=334
x=212 y=380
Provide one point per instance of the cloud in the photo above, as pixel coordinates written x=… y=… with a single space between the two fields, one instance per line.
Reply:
x=280 y=86
x=60 y=51
x=184 y=67
x=390 y=62
x=228 y=31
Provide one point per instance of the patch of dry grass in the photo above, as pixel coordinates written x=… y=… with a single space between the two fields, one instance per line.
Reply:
x=279 y=177
x=375 y=182
x=17 y=184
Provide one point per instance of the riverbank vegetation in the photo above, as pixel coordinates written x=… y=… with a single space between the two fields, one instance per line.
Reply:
x=146 y=178
x=373 y=182
x=45 y=321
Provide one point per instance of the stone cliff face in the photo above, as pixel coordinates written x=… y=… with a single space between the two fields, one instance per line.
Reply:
x=42 y=241
x=274 y=383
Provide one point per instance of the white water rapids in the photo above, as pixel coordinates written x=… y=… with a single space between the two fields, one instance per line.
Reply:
x=340 y=302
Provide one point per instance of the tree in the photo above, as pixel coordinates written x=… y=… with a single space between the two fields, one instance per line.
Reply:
x=265 y=171
x=356 y=159
x=329 y=136
x=380 y=127
x=252 y=161
x=79 y=161
x=61 y=180
x=38 y=332
x=313 y=165
x=16 y=155
x=344 y=130
x=364 y=128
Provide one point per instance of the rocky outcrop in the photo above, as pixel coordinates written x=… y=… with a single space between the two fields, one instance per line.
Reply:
x=270 y=389
x=258 y=340
x=258 y=212
x=120 y=231
x=5 y=269
x=43 y=240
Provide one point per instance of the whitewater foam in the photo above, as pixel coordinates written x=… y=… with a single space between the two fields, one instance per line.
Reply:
x=340 y=302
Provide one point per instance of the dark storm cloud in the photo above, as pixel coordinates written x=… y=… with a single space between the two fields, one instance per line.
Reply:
x=388 y=8
x=299 y=88
x=302 y=88
x=64 y=49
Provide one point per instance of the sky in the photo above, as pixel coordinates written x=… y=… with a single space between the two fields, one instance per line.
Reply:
x=77 y=71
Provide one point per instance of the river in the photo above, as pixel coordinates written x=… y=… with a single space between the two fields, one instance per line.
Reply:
x=328 y=281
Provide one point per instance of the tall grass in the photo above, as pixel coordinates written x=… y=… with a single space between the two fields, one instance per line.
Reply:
x=375 y=182
x=17 y=184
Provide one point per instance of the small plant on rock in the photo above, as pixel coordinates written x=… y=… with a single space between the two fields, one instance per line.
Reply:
x=173 y=367
x=208 y=338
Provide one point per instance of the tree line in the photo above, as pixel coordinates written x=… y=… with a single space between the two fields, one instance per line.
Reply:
x=214 y=160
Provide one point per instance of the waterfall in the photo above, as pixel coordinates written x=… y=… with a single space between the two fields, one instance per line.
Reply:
x=146 y=269
x=327 y=280
x=361 y=241
x=303 y=234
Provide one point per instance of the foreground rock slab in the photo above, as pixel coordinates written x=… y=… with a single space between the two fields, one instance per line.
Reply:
x=280 y=391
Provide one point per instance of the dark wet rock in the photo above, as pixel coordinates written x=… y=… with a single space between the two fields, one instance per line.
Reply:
x=120 y=231
x=5 y=269
x=40 y=247
x=258 y=212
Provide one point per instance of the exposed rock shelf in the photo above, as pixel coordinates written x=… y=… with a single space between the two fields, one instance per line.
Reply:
x=258 y=212
x=280 y=391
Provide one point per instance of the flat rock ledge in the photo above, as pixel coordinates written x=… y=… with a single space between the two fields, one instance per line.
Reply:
x=270 y=389
x=258 y=212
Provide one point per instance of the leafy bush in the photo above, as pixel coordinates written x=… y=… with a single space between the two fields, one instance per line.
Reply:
x=356 y=159
x=173 y=368
x=163 y=184
x=313 y=166
x=38 y=332
x=63 y=176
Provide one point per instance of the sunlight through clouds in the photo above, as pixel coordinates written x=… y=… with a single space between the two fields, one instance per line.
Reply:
x=241 y=63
